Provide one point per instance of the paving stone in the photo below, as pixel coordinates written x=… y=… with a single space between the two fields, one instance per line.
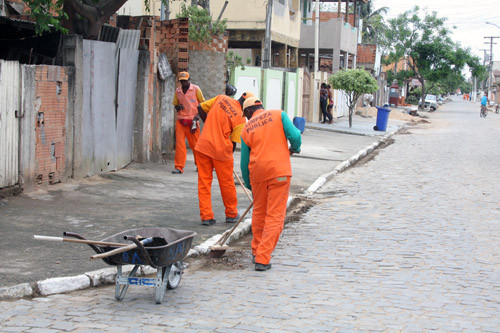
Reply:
x=411 y=244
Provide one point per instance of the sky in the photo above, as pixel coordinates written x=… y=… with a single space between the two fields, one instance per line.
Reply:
x=468 y=17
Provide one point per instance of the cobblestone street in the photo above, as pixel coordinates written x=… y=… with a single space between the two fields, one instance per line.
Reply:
x=408 y=241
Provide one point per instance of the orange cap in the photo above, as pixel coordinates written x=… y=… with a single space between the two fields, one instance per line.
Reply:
x=251 y=101
x=183 y=76
x=247 y=94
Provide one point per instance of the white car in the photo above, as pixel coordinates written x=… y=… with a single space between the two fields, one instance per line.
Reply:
x=430 y=102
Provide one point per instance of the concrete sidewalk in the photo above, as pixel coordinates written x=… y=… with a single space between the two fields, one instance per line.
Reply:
x=146 y=196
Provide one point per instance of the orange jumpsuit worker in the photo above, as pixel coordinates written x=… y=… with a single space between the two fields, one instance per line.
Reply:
x=223 y=124
x=186 y=100
x=266 y=169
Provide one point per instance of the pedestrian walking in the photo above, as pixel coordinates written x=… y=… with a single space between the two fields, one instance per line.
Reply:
x=186 y=100
x=267 y=171
x=224 y=121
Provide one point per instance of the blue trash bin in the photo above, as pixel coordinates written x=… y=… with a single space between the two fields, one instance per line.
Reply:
x=382 y=119
x=300 y=123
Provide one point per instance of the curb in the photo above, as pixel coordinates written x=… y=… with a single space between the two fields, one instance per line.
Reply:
x=107 y=276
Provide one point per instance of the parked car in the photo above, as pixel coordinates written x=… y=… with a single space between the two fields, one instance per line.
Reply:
x=430 y=102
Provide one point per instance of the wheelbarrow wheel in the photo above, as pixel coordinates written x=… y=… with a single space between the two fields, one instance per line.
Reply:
x=175 y=275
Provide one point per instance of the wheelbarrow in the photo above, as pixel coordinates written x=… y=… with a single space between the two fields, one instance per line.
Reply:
x=165 y=252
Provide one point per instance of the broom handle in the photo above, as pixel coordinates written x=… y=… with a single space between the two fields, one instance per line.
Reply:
x=226 y=235
x=72 y=240
x=120 y=250
x=242 y=185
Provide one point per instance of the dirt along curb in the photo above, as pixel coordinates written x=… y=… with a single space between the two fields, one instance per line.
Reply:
x=107 y=276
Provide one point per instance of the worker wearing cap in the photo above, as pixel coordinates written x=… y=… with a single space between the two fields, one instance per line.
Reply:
x=266 y=169
x=224 y=121
x=186 y=100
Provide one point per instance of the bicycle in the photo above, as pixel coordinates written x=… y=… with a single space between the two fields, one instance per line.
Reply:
x=483 y=113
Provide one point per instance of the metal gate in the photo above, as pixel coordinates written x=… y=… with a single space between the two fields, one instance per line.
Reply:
x=9 y=123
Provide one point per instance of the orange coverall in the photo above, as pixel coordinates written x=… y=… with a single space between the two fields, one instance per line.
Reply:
x=190 y=101
x=214 y=150
x=265 y=136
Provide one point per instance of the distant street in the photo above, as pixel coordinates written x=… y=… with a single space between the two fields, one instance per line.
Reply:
x=407 y=241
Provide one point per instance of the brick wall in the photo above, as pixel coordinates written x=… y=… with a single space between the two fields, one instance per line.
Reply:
x=51 y=101
x=327 y=16
x=366 y=53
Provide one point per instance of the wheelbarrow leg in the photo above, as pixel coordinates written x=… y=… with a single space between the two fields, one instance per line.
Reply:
x=162 y=274
x=120 y=294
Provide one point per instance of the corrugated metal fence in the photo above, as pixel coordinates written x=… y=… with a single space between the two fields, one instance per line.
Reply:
x=9 y=123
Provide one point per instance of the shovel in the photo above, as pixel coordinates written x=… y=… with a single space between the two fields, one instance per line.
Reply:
x=121 y=249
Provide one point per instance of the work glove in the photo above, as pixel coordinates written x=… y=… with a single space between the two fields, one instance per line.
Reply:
x=194 y=127
x=179 y=107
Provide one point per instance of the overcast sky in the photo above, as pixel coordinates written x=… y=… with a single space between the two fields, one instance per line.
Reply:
x=468 y=17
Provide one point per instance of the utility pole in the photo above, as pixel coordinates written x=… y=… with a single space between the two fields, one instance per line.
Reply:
x=485 y=55
x=316 y=37
x=266 y=61
x=491 y=61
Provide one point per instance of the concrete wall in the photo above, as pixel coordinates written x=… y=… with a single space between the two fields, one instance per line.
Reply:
x=141 y=115
x=291 y=100
x=208 y=71
x=332 y=35
x=285 y=25
x=278 y=89
x=272 y=89
x=27 y=158
x=248 y=79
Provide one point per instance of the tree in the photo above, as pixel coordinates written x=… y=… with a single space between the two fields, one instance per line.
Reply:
x=373 y=30
x=84 y=17
x=355 y=83
x=201 y=27
x=426 y=44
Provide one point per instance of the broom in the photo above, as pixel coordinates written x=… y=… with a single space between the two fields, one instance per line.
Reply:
x=218 y=249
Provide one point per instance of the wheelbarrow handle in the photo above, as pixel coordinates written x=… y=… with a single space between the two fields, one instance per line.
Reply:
x=71 y=240
x=121 y=250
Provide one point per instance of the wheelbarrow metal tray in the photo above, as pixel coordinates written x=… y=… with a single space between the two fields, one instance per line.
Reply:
x=178 y=243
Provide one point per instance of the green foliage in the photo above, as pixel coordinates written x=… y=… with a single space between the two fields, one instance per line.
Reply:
x=412 y=100
x=201 y=26
x=374 y=26
x=40 y=12
x=401 y=76
x=431 y=54
x=355 y=82
x=234 y=60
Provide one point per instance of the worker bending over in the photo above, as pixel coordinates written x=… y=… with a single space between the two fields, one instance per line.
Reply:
x=224 y=121
x=266 y=170
x=186 y=100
